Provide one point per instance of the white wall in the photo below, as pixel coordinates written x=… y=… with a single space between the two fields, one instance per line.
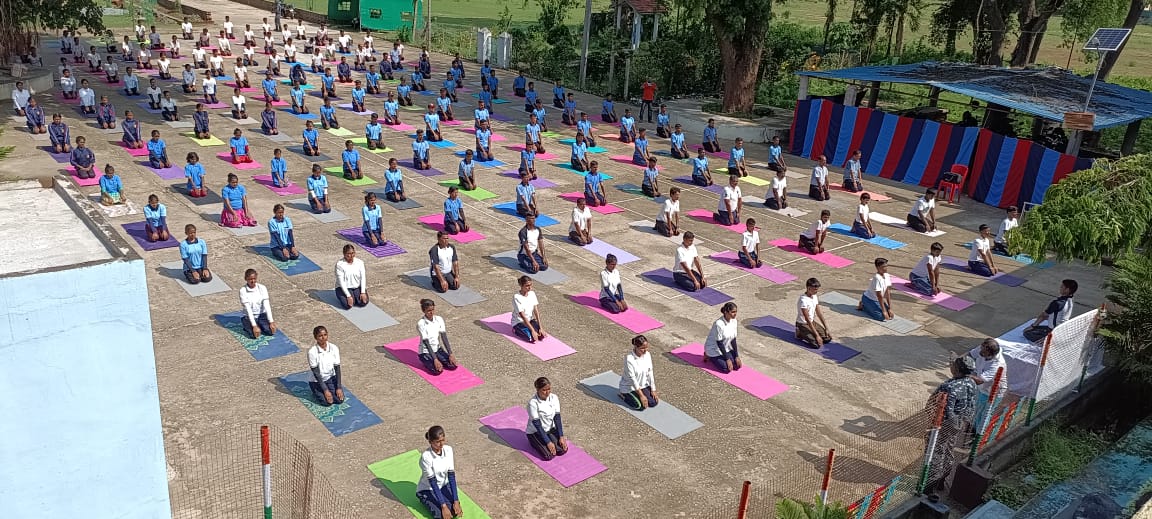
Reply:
x=80 y=432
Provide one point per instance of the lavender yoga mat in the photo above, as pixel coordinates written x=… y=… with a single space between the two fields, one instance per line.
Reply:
x=430 y=172
x=771 y=274
x=632 y=319
x=136 y=231
x=603 y=249
x=448 y=382
x=170 y=173
x=539 y=183
x=546 y=349
x=569 y=469
x=960 y=265
x=944 y=300
x=753 y=382
x=356 y=235
x=715 y=188
x=786 y=332
x=826 y=258
x=708 y=295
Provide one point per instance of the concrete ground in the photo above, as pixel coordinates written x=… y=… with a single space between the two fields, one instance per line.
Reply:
x=208 y=383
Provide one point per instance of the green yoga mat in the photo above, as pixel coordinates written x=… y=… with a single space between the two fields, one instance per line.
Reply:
x=339 y=171
x=400 y=473
x=476 y=194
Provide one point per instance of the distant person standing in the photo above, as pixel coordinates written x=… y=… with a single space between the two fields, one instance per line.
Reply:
x=959 y=407
x=648 y=96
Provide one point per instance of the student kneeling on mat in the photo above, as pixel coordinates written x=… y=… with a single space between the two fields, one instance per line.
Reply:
x=324 y=361
x=638 y=385
x=545 y=429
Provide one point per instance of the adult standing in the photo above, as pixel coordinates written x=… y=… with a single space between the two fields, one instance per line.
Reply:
x=988 y=359
x=959 y=403
x=647 y=97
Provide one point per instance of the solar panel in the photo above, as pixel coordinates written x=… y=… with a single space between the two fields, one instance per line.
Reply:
x=1107 y=40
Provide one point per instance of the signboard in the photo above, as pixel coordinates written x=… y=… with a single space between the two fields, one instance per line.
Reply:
x=1080 y=121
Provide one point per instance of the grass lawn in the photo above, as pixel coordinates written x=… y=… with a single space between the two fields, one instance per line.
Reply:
x=477 y=13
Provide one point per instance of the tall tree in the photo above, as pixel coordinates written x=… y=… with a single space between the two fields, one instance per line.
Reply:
x=991 y=28
x=829 y=19
x=740 y=27
x=22 y=21
x=1135 y=9
x=1033 y=20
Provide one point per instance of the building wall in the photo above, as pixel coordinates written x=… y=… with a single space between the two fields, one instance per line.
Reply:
x=81 y=412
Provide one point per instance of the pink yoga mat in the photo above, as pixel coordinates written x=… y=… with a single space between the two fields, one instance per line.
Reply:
x=602 y=209
x=876 y=197
x=766 y=272
x=448 y=382
x=405 y=128
x=571 y=468
x=945 y=300
x=436 y=221
x=755 y=383
x=455 y=122
x=85 y=182
x=539 y=156
x=290 y=189
x=495 y=137
x=705 y=215
x=722 y=154
x=627 y=160
x=632 y=319
x=826 y=258
x=216 y=106
x=280 y=103
x=227 y=157
x=547 y=349
x=135 y=152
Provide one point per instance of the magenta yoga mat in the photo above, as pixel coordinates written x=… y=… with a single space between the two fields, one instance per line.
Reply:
x=771 y=274
x=632 y=319
x=705 y=215
x=944 y=300
x=753 y=382
x=569 y=469
x=826 y=258
x=436 y=222
x=448 y=382
x=290 y=189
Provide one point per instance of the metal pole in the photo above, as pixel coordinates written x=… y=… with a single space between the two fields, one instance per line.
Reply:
x=584 y=46
x=827 y=478
x=742 y=512
x=1092 y=87
x=266 y=469
x=428 y=23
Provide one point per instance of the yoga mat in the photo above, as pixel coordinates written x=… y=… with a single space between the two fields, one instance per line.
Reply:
x=603 y=249
x=277 y=137
x=1019 y=258
x=756 y=181
x=430 y=172
x=135 y=152
x=175 y=270
x=246 y=120
x=539 y=156
x=632 y=319
x=715 y=188
x=180 y=124
x=602 y=209
x=402 y=205
x=136 y=231
x=722 y=154
x=227 y=157
x=400 y=474
x=305 y=117
x=944 y=300
x=547 y=348
x=362 y=142
x=765 y=271
x=758 y=202
x=147 y=108
x=302 y=265
x=462 y=296
x=367 y=318
x=542 y=220
x=479 y=193
x=665 y=418
x=786 y=332
x=444 y=143
x=86 y=182
x=495 y=137
x=615 y=137
x=436 y=222
x=876 y=197
x=356 y=235
x=900 y=223
x=826 y=258
x=843 y=304
x=704 y=215
x=568 y=167
x=404 y=128
x=329 y=217
x=211 y=198
x=210 y=141
x=494 y=101
x=339 y=132
x=61 y=158
x=547 y=277
x=751 y=381
x=626 y=160
x=360 y=182
x=170 y=173
x=568 y=470
x=879 y=241
x=538 y=183
x=961 y=265
x=290 y=189
x=448 y=382
x=707 y=295
x=339 y=419
x=299 y=150
x=348 y=107
x=264 y=348
x=216 y=106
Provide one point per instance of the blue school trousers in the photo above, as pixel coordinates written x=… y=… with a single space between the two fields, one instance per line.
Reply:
x=594 y=198
x=262 y=323
x=522 y=331
x=859 y=230
x=452 y=226
x=631 y=401
x=442 y=355
x=683 y=281
x=980 y=268
x=428 y=499
x=921 y=284
x=721 y=362
x=355 y=298
x=376 y=233
x=526 y=262
x=700 y=180
x=315 y=203
x=749 y=259
x=318 y=391
x=639 y=159
x=612 y=304
x=542 y=448
x=449 y=278
x=872 y=307
x=157 y=162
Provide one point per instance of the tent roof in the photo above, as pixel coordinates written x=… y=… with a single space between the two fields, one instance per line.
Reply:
x=1044 y=92
x=647 y=6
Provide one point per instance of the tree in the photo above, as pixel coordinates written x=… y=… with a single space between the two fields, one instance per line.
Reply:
x=1125 y=331
x=740 y=27
x=829 y=20
x=21 y=22
x=1033 y=20
x=1135 y=9
x=792 y=509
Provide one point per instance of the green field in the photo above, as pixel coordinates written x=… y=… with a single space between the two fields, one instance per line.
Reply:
x=475 y=13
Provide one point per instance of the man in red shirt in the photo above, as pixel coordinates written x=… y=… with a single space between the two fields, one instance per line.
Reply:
x=649 y=95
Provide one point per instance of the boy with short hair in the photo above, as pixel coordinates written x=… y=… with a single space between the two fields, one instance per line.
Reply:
x=980 y=258
x=922 y=217
x=877 y=299
x=812 y=240
x=1010 y=222
x=811 y=329
x=1056 y=313
x=925 y=276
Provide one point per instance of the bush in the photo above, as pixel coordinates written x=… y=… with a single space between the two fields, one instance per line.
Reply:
x=1055 y=454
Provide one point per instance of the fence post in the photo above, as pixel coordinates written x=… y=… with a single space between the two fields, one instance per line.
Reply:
x=1039 y=375
x=266 y=466
x=985 y=416
x=930 y=445
x=827 y=478
x=1100 y=315
x=742 y=512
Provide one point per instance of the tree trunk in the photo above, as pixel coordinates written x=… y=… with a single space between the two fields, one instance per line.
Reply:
x=1033 y=23
x=829 y=19
x=741 y=66
x=899 y=34
x=1135 y=9
x=1036 y=43
x=996 y=28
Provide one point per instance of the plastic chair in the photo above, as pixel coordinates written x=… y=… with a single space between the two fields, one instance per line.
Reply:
x=953 y=188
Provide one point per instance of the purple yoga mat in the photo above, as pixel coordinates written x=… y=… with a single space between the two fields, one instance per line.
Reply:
x=786 y=332
x=960 y=265
x=568 y=470
x=136 y=231
x=539 y=183
x=501 y=117
x=356 y=235
x=708 y=295
x=603 y=249
x=171 y=173
x=715 y=188
x=430 y=172
x=765 y=271
x=62 y=158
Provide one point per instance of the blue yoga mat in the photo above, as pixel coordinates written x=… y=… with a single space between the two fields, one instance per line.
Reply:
x=306 y=117
x=786 y=332
x=264 y=348
x=542 y=220
x=879 y=241
x=290 y=267
x=1019 y=258
x=339 y=419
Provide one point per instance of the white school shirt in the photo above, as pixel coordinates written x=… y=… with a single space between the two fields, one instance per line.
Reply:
x=351 y=275
x=186 y=26
x=167 y=103
x=209 y=85
x=223 y=44
x=326 y=359
x=580 y=219
x=444 y=258
x=986 y=369
x=238 y=101
x=68 y=84
x=684 y=255
x=806 y=305
x=290 y=50
x=921 y=268
x=285 y=33
x=880 y=283
x=670 y=208
x=266 y=27
x=20 y=97
x=249 y=35
x=532 y=237
x=720 y=337
x=217 y=61
x=862 y=212
x=255 y=302
x=250 y=52
x=345 y=40
x=819 y=175
x=241 y=72
x=1006 y=225
x=980 y=244
x=301 y=30
x=730 y=193
x=87 y=96
x=751 y=240
x=779 y=187
x=154 y=92
x=543 y=410
x=368 y=40
x=435 y=466
x=198 y=54
x=145 y=53
x=317 y=59
x=609 y=283
x=922 y=206
x=817 y=227
x=430 y=333
x=637 y=373
x=525 y=304
x=228 y=25
x=164 y=63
